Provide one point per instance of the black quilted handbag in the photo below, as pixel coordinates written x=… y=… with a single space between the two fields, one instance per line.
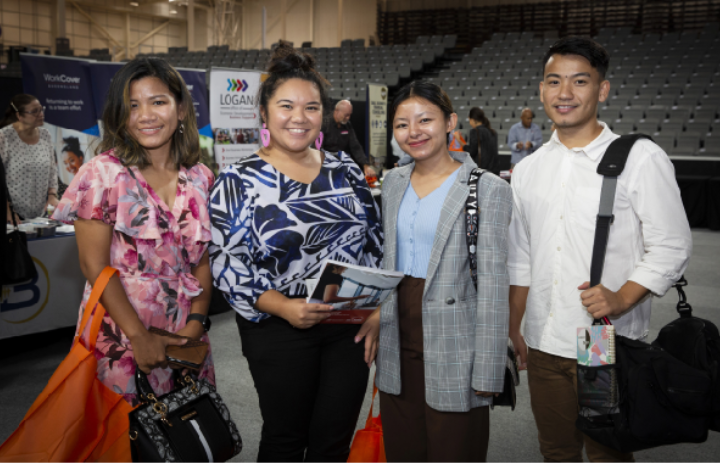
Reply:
x=189 y=424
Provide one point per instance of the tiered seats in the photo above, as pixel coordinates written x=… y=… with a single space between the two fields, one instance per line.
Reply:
x=348 y=68
x=665 y=85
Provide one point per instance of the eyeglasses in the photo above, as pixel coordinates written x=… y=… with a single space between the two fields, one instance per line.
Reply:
x=35 y=112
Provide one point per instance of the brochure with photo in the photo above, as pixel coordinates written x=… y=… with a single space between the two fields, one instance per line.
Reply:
x=353 y=291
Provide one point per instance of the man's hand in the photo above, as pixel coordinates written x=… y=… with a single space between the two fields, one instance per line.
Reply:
x=369 y=171
x=528 y=145
x=601 y=302
x=521 y=349
x=519 y=146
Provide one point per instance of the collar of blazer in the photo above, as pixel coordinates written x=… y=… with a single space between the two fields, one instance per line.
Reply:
x=453 y=206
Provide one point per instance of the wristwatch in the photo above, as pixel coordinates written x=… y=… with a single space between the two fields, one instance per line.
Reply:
x=204 y=320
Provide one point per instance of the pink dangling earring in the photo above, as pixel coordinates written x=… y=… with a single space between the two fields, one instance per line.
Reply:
x=319 y=140
x=265 y=136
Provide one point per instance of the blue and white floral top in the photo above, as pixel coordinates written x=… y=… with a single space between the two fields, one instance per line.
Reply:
x=270 y=232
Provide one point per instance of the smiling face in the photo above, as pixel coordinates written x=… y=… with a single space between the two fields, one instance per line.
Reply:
x=154 y=114
x=571 y=91
x=72 y=162
x=421 y=128
x=293 y=115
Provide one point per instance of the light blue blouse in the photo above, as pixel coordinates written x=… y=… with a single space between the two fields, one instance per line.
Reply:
x=417 y=224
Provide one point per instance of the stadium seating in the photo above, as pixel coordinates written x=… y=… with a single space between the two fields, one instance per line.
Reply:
x=665 y=85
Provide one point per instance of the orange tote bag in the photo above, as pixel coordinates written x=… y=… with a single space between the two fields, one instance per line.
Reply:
x=368 y=445
x=76 y=418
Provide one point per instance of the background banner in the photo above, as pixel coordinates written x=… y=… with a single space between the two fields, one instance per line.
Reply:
x=234 y=114
x=377 y=133
x=63 y=86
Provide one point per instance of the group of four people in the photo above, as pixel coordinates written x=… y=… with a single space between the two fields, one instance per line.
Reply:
x=146 y=206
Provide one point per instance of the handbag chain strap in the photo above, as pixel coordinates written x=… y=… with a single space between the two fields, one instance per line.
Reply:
x=472 y=215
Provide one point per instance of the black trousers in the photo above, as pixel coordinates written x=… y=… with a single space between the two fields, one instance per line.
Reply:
x=311 y=384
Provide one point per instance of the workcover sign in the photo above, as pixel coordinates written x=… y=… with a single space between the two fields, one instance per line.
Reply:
x=62 y=86
x=234 y=113
x=377 y=103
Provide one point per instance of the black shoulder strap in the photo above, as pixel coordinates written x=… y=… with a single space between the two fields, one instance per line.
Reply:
x=472 y=213
x=610 y=167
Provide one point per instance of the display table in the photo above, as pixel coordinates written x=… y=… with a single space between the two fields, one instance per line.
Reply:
x=53 y=300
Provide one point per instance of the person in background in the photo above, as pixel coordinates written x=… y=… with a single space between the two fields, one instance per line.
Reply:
x=29 y=158
x=277 y=215
x=482 y=142
x=556 y=196
x=74 y=157
x=524 y=137
x=443 y=345
x=339 y=136
x=402 y=157
x=140 y=206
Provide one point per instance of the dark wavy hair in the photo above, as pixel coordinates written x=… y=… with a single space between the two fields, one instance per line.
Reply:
x=427 y=91
x=185 y=146
x=17 y=105
x=479 y=115
x=288 y=63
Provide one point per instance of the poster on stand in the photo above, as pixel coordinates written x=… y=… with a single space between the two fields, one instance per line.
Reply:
x=377 y=130
x=63 y=86
x=234 y=113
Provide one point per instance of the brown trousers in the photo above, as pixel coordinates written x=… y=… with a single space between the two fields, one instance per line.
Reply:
x=413 y=431
x=553 y=396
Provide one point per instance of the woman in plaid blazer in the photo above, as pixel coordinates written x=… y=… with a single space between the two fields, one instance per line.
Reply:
x=442 y=348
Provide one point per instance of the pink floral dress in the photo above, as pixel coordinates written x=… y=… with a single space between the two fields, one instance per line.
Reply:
x=153 y=249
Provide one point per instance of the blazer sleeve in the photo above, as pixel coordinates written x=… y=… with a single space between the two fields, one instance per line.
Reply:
x=491 y=322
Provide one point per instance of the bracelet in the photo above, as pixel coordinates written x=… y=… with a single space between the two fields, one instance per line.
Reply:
x=53 y=195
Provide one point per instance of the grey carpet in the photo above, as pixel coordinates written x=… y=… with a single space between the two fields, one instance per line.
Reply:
x=27 y=363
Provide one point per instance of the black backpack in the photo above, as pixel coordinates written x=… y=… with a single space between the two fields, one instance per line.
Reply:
x=655 y=394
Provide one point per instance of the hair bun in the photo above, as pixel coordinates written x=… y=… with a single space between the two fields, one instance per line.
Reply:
x=286 y=59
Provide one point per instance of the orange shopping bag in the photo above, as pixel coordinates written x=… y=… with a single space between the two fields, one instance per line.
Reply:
x=76 y=418
x=368 y=445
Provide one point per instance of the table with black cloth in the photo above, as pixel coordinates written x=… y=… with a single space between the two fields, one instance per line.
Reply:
x=699 y=182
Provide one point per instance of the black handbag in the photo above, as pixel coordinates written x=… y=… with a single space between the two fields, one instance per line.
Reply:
x=189 y=424
x=508 y=396
x=17 y=264
x=655 y=394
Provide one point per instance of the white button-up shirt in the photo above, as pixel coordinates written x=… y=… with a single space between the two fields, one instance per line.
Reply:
x=557 y=196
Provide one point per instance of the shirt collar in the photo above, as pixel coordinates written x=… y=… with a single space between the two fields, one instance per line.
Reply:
x=594 y=149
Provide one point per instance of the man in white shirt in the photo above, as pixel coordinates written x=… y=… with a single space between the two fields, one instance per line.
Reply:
x=557 y=195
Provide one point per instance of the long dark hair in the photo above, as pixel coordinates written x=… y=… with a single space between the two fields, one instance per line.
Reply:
x=17 y=105
x=427 y=91
x=185 y=146
x=479 y=115
x=288 y=63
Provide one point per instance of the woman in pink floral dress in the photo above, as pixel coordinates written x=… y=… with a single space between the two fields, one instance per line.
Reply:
x=140 y=206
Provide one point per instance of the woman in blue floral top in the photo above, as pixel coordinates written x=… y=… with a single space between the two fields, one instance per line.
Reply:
x=276 y=216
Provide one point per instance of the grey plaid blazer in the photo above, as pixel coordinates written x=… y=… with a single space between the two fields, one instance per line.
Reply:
x=464 y=332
